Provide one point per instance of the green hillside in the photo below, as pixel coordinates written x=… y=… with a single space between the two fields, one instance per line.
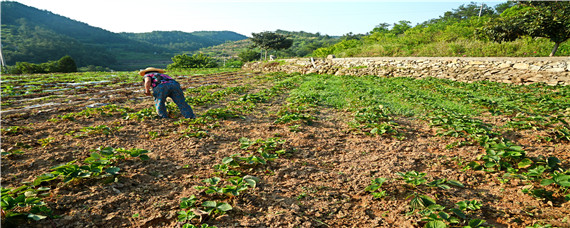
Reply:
x=37 y=36
x=183 y=42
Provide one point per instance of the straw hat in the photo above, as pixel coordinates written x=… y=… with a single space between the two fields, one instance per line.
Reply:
x=151 y=69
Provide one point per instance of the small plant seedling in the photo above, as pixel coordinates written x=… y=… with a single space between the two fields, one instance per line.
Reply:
x=216 y=208
x=375 y=186
x=444 y=183
x=184 y=216
x=413 y=178
x=46 y=141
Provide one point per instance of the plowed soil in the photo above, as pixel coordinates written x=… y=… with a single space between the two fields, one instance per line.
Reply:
x=320 y=182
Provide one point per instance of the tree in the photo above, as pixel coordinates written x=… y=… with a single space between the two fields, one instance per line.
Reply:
x=500 y=8
x=351 y=36
x=401 y=27
x=270 y=40
x=66 y=64
x=468 y=11
x=381 y=28
x=533 y=18
x=248 y=55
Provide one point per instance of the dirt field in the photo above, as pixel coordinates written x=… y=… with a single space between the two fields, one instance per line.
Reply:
x=318 y=180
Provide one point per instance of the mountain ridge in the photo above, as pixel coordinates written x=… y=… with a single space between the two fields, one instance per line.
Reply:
x=33 y=35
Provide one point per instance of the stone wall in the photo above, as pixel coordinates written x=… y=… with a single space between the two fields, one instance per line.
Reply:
x=550 y=70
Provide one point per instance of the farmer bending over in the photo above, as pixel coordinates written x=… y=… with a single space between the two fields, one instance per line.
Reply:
x=164 y=86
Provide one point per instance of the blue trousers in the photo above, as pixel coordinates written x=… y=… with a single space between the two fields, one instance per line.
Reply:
x=172 y=90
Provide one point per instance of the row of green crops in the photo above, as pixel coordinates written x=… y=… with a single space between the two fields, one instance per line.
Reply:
x=456 y=109
x=27 y=201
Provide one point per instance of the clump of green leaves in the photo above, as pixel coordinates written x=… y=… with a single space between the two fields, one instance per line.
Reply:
x=100 y=163
x=374 y=188
x=189 y=203
x=376 y=120
x=24 y=201
x=296 y=113
x=235 y=186
x=436 y=216
x=46 y=141
x=13 y=130
x=145 y=113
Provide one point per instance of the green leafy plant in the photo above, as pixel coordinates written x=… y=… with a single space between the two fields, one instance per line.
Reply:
x=413 y=178
x=444 y=183
x=99 y=163
x=228 y=165
x=23 y=201
x=13 y=130
x=187 y=203
x=237 y=185
x=436 y=216
x=560 y=179
x=216 y=208
x=46 y=141
x=502 y=155
x=376 y=120
x=374 y=188
x=146 y=113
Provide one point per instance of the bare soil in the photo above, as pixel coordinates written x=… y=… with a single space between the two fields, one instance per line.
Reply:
x=319 y=183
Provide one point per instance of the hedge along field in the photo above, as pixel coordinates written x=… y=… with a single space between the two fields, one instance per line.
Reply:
x=292 y=150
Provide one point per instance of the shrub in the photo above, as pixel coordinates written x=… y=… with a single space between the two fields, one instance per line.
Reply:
x=196 y=61
x=249 y=55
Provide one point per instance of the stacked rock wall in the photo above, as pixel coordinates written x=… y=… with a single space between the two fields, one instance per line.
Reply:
x=553 y=71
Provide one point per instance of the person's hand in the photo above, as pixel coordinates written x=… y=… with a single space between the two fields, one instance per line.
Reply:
x=147 y=93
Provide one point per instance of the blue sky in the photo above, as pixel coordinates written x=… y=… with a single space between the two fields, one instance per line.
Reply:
x=336 y=17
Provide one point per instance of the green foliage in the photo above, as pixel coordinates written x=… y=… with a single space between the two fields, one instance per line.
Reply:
x=249 y=55
x=64 y=65
x=100 y=163
x=24 y=201
x=304 y=43
x=536 y=19
x=376 y=120
x=374 y=188
x=217 y=208
x=470 y=10
x=232 y=63
x=400 y=27
x=270 y=41
x=196 y=61
x=456 y=33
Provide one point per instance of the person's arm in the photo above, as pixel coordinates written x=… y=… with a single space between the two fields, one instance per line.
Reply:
x=147 y=86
